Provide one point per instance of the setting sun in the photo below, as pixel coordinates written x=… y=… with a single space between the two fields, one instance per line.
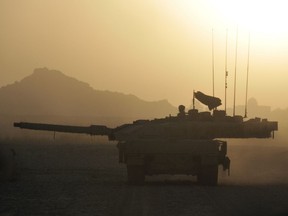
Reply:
x=260 y=17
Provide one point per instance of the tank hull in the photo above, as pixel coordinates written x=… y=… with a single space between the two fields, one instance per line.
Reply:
x=199 y=158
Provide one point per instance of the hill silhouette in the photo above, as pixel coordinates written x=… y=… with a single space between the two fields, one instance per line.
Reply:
x=50 y=92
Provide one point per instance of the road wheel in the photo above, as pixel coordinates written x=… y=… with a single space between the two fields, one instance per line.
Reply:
x=208 y=175
x=136 y=174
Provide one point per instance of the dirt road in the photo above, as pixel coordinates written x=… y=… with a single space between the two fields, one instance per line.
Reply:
x=73 y=179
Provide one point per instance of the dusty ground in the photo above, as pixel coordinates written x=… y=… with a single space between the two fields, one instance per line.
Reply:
x=69 y=178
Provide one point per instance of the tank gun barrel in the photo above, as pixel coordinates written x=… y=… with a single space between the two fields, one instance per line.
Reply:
x=91 y=130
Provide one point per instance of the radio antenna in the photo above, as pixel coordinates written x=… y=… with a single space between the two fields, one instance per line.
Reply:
x=193 y=101
x=235 y=71
x=226 y=71
x=213 y=61
x=248 y=61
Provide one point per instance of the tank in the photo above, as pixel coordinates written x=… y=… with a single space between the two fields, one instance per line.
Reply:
x=184 y=144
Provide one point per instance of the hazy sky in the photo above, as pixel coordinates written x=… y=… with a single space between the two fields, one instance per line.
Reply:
x=155 y=49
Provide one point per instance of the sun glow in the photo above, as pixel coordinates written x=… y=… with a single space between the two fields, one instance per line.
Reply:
x=257 y=16
x=266 y=17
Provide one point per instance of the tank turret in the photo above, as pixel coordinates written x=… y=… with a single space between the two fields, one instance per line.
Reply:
x=194 y=125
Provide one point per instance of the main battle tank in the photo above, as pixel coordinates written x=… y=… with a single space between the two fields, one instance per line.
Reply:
x=182 y=144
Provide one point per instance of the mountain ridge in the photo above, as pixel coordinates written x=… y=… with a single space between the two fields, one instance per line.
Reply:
x=51 y=92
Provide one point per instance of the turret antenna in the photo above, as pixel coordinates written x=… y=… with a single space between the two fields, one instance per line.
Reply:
x=213 y=61
x=248 y=61
x=226 y=71
x=193 y=101
x=235 y=71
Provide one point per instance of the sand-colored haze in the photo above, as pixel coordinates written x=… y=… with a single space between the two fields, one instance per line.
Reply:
x=155 y=50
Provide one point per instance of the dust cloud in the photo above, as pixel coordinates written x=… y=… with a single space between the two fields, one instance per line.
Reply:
x=253 y=161
x=257 y=161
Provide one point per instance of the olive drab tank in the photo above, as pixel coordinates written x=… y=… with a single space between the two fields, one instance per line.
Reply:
x=183 y=144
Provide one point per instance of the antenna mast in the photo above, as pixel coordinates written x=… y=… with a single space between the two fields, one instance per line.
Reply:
x=213 y=60
x=235 y=71
x=193 y=100
x=248 y=61
x=226 y=72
